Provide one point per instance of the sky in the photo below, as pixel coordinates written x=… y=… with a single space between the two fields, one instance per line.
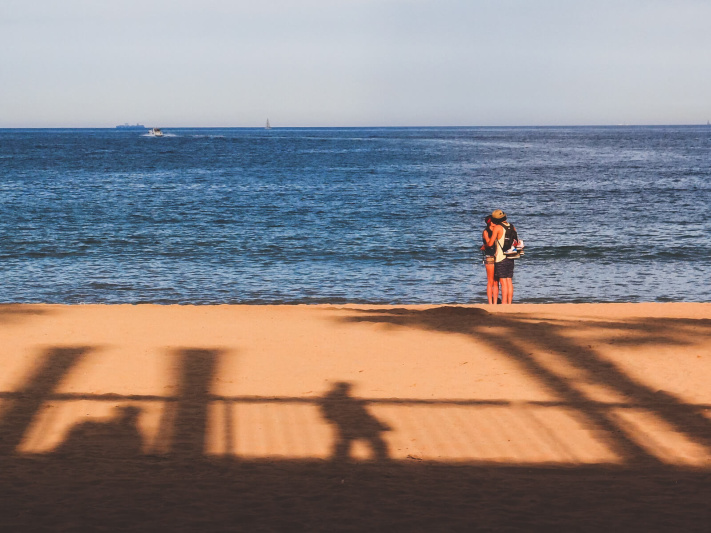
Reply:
x=342 y=63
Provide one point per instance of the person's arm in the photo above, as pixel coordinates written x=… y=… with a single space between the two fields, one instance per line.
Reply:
x=485 y=236
x=495 y=235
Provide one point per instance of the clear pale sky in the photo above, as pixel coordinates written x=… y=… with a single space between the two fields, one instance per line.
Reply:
x=96 y=63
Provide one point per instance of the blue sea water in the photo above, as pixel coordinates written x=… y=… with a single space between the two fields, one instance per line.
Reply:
x=608 y=214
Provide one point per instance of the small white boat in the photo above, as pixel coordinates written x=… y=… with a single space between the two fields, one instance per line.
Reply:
x=268 y=126
x=156 y=132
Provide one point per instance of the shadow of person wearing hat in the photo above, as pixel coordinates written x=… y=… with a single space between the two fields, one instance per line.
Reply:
x=352 y=422
x=503 y=266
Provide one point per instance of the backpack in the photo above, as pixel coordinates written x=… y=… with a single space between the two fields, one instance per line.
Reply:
x=511 y=240
x=510 y=237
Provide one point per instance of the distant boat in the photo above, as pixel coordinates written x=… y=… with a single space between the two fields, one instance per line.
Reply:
x=128 y=126
x=267 y=127
x=156 y=132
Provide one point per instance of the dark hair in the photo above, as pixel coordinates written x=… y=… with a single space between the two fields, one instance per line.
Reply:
x=487 y=219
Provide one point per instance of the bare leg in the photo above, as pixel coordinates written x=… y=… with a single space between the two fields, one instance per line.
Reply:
x=492 y=287
x=511 y=290
x=506 y=290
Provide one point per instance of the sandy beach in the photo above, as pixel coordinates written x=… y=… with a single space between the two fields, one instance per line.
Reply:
x=349 y=418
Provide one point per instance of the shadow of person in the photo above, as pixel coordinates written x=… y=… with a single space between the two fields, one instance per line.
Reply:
x=119 y=437
x=352 y=422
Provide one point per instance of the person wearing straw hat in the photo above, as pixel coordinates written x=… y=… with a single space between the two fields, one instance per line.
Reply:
x=503 y=266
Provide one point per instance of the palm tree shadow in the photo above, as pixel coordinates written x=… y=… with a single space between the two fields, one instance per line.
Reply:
x=13 y=313
x=501 y=331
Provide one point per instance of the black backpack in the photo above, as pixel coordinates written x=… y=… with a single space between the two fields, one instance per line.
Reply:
x=510 y=236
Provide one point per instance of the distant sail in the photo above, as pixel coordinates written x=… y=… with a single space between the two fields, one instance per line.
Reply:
x=267 y=127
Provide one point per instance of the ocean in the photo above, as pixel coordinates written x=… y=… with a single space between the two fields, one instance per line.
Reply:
x=361 y=215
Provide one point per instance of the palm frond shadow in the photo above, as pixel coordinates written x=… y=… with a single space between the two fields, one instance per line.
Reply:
x=516 y=335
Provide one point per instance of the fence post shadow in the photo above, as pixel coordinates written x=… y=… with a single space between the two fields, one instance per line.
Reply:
x=15 y=420
x=195 y=370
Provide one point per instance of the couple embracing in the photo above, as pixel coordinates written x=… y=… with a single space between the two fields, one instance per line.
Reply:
x=501 y=246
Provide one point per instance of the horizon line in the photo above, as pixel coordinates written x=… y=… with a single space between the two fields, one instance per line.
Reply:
x=118 y=126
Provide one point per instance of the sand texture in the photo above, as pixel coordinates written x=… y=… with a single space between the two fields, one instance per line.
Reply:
x=571 y=417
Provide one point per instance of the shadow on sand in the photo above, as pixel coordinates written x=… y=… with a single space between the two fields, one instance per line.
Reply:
x=504 y=332
x=100 y=479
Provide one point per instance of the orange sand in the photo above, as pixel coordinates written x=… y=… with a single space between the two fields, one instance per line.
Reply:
x=465 y=399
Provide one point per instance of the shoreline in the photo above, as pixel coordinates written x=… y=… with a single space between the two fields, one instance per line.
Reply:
x=619 y=309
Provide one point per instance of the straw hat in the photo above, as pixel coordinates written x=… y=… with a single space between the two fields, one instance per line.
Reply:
x=498 y=216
